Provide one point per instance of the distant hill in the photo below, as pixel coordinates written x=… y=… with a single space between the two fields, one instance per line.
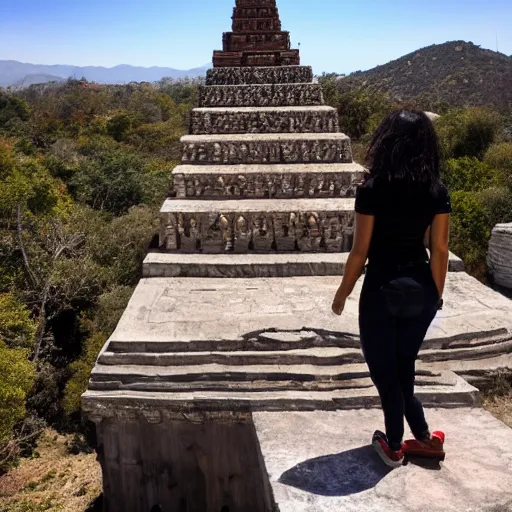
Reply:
x=456 y=73
x=13 y=73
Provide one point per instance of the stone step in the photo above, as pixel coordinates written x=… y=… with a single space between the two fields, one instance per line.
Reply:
x=100 y=402
x=226 y=120
x=267 y=181
x=139 y=381
x=260 y=75
x=260 y=225
x=250 y=41
x=319 y=356
x=263 y=58
x=252 y=265
x=261 y=95
x=266 y=148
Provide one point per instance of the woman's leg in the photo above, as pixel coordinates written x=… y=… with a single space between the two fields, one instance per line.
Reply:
x=411 y=334
x=378 y=330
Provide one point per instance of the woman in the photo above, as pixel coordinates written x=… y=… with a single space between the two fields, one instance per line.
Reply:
x=401 y=203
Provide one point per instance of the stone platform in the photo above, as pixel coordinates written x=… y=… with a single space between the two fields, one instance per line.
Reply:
x=321 y=462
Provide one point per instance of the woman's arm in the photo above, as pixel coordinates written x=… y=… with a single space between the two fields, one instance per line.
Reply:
x=439 y=252
x=356 y=260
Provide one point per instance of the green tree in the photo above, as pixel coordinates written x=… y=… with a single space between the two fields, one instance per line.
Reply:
x=17 y=329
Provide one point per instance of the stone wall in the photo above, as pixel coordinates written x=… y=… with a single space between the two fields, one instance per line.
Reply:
x=206 y=121
x=261 y=95
x=265 y=184
x=211 y=150
x=260 y=75
x=256 y=58
x=216 y=233
x=153 y=459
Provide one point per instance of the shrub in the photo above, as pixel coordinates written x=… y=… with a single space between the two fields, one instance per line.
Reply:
x=468 y=174
x=468 y=132
x=470 y=231
x=17 y=376
x=82 y=368
x=497 y=203
x=17 y=329
x=499 y=156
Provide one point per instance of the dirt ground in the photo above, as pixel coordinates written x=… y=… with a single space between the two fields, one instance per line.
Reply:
x=52 y=480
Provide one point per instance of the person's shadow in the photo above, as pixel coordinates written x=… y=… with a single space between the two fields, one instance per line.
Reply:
x=342 y=474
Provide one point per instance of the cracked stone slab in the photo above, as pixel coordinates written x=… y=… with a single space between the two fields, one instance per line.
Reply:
x=261 y=95
x=216 y=311
x=259 y=75
x=322 y=462
x=267 y=180
x=253 y=265
x=318 y=119
x=267 y=148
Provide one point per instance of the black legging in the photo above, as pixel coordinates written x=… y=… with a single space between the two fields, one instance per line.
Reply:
x=391 y=347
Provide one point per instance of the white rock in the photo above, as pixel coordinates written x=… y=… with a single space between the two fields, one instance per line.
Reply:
x=499 y=258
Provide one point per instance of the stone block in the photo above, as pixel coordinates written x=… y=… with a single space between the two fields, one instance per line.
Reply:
x=255 y=11
x=263 y=120
x=499 y=258
x=257 y=225
x=261 y=95
x=259 y=75
x=265 y=24
x=267 y=149
x=262 y=58
x=239 y=42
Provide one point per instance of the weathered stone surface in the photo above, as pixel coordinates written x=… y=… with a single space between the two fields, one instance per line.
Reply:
x=322 y=462
x=229 y=310
x=261 y=95
x=260 y=75
x=267 y=181
x=308 y=225
x=264 y=24
x=251 y=265
x=499 y=258
x=263 y=58
x=106 y=401
x=287 y=148
x=264 y=120
x=239 y=42
x=151 y=461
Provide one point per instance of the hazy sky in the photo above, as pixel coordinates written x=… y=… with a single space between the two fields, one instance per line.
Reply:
x=335 y=35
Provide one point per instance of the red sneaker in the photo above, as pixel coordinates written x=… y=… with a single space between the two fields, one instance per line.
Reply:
x=431 y=449
x=393 y=459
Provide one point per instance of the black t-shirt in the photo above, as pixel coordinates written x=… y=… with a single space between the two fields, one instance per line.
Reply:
x=403 y=213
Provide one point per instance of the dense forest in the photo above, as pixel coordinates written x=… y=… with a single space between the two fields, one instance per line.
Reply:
x=84 y=169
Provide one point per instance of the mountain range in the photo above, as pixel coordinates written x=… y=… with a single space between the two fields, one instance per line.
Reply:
x=456 y=73
x=19 y=74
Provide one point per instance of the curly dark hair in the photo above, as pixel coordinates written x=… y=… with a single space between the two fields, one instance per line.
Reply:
x=405 y=147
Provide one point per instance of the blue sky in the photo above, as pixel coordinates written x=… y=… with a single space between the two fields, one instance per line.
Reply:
x=335 y=35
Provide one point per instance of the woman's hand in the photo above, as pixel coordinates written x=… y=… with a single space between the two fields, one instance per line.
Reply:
x=338 y=305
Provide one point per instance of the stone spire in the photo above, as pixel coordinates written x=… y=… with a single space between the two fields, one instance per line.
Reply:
x=256 y=39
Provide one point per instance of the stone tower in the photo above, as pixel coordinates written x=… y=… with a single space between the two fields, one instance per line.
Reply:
x=256 y=39
x=233 y=313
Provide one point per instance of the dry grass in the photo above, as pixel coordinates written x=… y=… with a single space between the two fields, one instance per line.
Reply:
x=54 y=480
x=498 y=397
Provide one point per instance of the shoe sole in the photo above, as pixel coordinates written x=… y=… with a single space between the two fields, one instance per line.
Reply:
x=440 y=456
x=390 y=463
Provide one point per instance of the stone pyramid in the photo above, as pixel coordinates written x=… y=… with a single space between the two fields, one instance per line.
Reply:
x=233 y=314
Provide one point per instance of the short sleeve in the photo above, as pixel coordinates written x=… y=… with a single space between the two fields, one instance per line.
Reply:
x=365 y=199
x=443 y=203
